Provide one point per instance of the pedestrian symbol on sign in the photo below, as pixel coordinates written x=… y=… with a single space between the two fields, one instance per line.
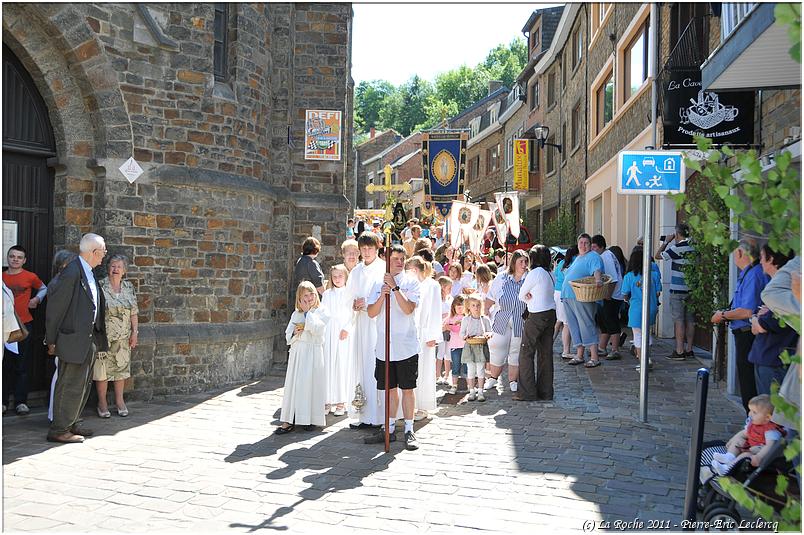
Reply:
x=650 y=172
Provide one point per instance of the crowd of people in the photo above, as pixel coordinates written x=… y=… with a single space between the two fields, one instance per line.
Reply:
x=90 y=329
x=456 y=314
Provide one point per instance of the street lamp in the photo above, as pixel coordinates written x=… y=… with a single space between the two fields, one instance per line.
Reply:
x=542 y=132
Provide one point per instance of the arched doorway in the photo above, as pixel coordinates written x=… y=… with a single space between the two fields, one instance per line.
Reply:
x=28 y=191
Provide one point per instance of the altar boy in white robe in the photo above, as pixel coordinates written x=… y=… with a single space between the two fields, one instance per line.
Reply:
x=361 y=281
x=428 y=327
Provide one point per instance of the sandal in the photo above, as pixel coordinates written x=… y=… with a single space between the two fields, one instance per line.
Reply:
x=575 y=361
x=592 y=364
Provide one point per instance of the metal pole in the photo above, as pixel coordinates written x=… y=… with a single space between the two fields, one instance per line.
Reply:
x=696 y=442
x=647 y=288
x=387 y=344
x=648 y=234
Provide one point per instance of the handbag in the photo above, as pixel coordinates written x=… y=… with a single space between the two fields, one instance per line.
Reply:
x=20 y=334
x=446 y=335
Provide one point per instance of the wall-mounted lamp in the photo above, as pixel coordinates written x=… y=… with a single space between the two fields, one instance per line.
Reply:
x=542 y=133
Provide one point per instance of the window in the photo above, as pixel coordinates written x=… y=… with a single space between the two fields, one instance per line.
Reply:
x=597 y=215
x=551 y=88
x=221 y=42
x=575 y=132
x=604 y=102
x=509 y=153
x=474 y=167
x=535 y=45
x=533 y=158
x=563 y=143
x=576 y=213
x=564 y=69
x=534 y=95
x=474 y=127
x=493 y=158
x=371 y=178
x=550 y=215
x=577 y=48
x=602 y=10
x=636 y=61
x=551 y=156
x=494 y=112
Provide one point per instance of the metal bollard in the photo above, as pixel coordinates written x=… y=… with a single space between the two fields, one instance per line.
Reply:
x=696 y=442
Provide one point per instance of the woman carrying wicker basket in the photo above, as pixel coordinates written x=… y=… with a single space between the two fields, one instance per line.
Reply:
x=580 y=309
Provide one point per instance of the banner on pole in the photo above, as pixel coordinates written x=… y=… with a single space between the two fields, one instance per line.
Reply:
x=521 y=178
x=508 y=205
x=463 y=216
x=443 y=167
x=478 y=230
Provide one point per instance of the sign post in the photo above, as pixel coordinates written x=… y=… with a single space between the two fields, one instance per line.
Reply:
x=648 y=173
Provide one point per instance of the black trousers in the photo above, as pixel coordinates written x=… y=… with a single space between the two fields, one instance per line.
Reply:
x=71 y=393
x=743 y=340
x=537 y=341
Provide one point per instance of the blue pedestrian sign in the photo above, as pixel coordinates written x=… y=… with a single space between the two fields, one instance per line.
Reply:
x=650 y=172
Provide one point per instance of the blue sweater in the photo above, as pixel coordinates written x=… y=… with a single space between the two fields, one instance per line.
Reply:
x=767 y=347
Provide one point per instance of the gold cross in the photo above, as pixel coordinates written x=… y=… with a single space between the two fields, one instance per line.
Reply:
x=388 y=188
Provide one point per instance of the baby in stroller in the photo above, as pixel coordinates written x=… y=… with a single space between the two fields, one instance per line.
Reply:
x=754 y=441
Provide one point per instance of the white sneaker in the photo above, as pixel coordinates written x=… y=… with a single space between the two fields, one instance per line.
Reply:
x=481 y=396
x=420 y=415
x=514 y=386
x=723 y=457
x=491 y=382
x=453 y=389
x=22 y=408
x=500 y=387
x=720 y=468
x=472 y=395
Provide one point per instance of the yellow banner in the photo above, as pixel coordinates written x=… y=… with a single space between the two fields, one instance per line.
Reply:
x=521 y=164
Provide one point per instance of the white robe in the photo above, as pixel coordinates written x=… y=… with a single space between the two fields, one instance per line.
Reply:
x=304 y=395
x=337 y=353
x=361 y=281
x=428 y=327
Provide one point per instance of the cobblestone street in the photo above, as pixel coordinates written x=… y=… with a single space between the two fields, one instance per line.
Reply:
x=210 y=462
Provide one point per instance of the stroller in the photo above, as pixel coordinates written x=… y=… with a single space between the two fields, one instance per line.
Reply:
x=720 y=511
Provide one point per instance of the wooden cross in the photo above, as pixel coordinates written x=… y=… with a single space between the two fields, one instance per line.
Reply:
x=388 y=188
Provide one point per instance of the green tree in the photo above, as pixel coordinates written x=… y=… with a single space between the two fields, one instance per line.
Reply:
x=406 y=107
x=504 y=63
x=461 y=86
x=370 y=98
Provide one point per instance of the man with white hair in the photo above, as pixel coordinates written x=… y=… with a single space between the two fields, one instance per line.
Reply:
x=75 y=330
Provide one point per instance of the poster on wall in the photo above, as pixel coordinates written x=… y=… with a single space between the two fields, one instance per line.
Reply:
x=322 y=135
x=9 y=238
x=725 y=117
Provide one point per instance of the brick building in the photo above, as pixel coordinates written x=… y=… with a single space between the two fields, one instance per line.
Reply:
x=374 y=166
x=357 y=175
x=210 y=100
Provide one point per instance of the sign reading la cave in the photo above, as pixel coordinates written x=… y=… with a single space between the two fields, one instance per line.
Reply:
x=726 y=117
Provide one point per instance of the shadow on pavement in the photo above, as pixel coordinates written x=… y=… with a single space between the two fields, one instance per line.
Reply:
x=24 y=436
x=337 y=472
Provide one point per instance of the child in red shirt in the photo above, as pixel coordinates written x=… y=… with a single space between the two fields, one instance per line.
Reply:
x=755 y=440
x=21 y=282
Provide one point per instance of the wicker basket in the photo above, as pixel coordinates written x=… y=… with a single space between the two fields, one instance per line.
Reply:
x=587 y=291
x=476 y=340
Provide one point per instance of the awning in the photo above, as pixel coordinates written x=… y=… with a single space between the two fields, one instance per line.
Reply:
x=754 y=56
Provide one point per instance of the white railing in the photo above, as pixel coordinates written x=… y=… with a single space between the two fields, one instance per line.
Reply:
x=513 y=96
x=733 y=13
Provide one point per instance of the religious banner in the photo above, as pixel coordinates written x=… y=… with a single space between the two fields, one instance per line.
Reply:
x=428 y=208
x=508 y=204
x=443 y=167
x=322 y=135
x=726 y=117
x=521 y=178
x=400 y=221
x=478 y=230
x=499 y=222
x=463 y=217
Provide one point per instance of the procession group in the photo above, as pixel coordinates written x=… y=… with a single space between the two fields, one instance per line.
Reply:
x=453 y=313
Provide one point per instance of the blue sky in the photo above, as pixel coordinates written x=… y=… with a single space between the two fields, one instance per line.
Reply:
x=395 y=41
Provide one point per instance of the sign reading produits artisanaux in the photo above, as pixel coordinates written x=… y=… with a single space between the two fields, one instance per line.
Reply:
x=726 y=117
x=322 y=135
x=521 y=164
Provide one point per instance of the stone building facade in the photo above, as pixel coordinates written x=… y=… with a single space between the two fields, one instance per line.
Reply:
x=374 y=166
x=217 y=121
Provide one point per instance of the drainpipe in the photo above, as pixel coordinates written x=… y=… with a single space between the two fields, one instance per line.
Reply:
x=586 y=110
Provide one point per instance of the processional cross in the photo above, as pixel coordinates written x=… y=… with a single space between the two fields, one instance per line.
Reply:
x=388 y=188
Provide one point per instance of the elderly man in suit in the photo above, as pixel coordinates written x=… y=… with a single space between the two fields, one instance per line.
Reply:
x=75 y=330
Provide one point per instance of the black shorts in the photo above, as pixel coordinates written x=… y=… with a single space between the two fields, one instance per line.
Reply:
x=608 y=316
x=401 y=373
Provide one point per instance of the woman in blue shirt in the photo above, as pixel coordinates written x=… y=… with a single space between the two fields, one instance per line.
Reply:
x=561 y=314
x=632 y=292
x=581 y=316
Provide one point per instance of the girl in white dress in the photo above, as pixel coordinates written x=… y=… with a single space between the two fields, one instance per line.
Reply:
x=305 y=384
x=337 y=301
x=428 y=327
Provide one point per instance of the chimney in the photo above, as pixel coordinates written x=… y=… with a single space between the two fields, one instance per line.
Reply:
x=494 y=85
x=372 y=132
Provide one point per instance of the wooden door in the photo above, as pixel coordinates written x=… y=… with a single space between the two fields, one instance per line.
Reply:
x=28 y=190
